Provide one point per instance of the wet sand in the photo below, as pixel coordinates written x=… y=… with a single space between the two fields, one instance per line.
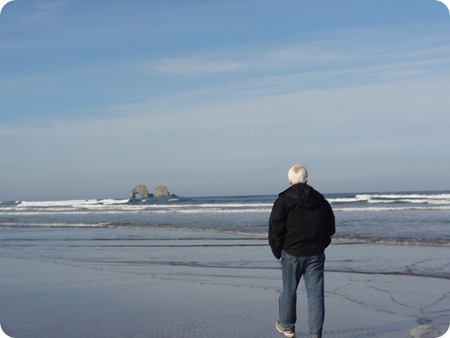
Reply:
x=183 y=284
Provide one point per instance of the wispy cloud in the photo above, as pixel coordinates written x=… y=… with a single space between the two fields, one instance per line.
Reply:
x=343 y=54
x=196 y=66
x=45 y=13
x=318 y=65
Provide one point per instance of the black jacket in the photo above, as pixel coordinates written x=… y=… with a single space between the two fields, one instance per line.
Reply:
x=301 y=222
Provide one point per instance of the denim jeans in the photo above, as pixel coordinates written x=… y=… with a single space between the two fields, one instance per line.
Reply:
x=311 y=268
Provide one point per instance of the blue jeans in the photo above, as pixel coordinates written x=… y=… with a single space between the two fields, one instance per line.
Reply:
x=311 y=268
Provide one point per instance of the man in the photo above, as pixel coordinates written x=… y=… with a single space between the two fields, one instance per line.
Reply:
x=300 y=228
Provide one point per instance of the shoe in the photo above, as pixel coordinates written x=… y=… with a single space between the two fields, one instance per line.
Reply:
x=287 y=333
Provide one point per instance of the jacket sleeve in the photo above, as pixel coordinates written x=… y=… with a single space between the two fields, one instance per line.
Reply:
x=330 y=221
x=277 y=227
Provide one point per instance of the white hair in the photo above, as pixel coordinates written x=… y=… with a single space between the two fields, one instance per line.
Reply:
x=297 y=174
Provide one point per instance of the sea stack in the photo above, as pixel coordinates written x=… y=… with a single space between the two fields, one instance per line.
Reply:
x=141 y=190
x=161 y=192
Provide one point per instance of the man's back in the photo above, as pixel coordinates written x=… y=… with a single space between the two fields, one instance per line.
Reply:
x=301 y=222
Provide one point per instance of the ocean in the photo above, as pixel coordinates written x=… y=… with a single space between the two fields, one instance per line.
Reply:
x=398 y=218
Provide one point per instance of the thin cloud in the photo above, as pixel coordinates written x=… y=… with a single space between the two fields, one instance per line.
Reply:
x=193 y=66
x=45 y=13
x=343 y=54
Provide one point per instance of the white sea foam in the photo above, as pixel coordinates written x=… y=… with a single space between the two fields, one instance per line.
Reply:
x=406 y=198
x=393 y=208
x=421 y=331
x=371 y=203
x=342 y=200
x=396 y=196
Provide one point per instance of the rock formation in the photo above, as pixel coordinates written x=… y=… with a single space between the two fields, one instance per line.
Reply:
x=139 y=190
x=161 y=192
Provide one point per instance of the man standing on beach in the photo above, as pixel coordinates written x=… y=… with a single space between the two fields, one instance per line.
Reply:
x=300 y=228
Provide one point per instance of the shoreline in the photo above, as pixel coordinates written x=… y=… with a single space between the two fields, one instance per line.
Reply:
x=202 y=287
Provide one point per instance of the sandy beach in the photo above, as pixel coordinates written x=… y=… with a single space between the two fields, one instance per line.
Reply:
x=188 y=284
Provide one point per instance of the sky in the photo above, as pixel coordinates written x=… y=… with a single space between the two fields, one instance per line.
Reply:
x=217 y=98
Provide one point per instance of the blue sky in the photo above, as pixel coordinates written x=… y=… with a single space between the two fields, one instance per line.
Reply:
x=222 y=97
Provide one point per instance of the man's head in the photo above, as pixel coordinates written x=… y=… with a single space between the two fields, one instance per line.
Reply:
x=297 y=174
